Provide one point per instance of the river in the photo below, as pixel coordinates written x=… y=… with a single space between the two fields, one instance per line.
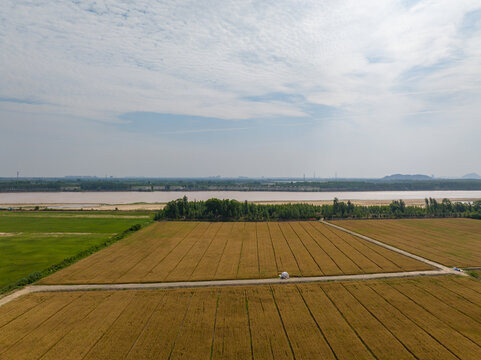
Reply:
x=165 y=196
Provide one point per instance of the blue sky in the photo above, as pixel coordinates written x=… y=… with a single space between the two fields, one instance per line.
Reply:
x=240 y=88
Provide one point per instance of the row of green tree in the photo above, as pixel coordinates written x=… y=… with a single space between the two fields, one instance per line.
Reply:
x=207 y=184
x=216 y=209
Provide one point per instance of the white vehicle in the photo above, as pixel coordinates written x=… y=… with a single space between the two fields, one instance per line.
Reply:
x=284 y=275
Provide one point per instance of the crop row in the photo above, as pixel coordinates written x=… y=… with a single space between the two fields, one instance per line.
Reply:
x=429 y=318
x=453 y=242
x=176 y=251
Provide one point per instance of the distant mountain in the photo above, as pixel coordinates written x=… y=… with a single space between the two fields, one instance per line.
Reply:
x=472 y=176
x=397 y=177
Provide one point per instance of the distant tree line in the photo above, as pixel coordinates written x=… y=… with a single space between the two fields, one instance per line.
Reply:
x=155 y=184
x=399 y=209
x=216 y=209
x=225 y=210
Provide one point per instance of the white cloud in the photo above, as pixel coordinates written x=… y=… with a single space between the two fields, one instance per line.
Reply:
x=377 y=62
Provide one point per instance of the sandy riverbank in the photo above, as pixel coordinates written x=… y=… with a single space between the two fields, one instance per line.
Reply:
x=157 y=206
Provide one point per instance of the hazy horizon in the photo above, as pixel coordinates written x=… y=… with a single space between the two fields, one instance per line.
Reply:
x=342 y=89
x=297 y=178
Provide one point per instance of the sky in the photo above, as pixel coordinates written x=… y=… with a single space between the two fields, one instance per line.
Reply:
x=240 y=88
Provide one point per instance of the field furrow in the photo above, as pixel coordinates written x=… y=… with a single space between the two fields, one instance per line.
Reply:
x=159 y=334
x=403 y=262
x=358 y=258
x=209 y=262
x=284 y=258
x=191 y=259
x=137 y=253
x=231 y=333
x=306 y=340
x=422 y=318
x=195 y=339
x=307 y=264
x=432 y=246
x=452 y=242
x=323 y=260
x=453 y=299
x=158 y=253
x=87 y=332
x=249 y=261
x=451 y=316
x=39 y=341
x=453 y=340
x=160 y=271
x=461 y=287
x=344 y=263
x=229 y=261
x=372 y=332
x=22 y=326
x=181 y=251
x=267 y=258
x=375 y=256
x=12 y=310
x=269 y=340
x=133 y=247
x=414 y=338
x=336 y=329
x=121 y=335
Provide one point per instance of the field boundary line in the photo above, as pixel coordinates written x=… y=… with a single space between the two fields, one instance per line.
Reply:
x=73 y=327
x=320 y=247
x=317 y=324
x=389 y=330
x=282 y=322
x=218 y=283
x=273 y=249
x=337 y=247
x=150 y=253
x=348 y=323
x=289 y=246
x=305 y=247
x=39 y=325
x=444 y=322
x=171 y=250
x=395 y=249
x=446 y=303
x=354 y=248
x=410 y=320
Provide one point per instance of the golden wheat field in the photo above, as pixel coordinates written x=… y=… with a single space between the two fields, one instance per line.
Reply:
x=422 y=318
x=452 y=242
x=178 y=251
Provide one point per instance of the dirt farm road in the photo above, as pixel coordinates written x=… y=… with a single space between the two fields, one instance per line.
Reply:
x=440 y=270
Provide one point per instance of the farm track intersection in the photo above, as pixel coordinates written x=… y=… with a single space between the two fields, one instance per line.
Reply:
x=441 y=270
x=203 y=251
x=415 y=318
x=390 y=315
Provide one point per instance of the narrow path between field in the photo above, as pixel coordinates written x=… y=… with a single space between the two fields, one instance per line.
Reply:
x=395 y=249
x=441 y=270
x=213 y=283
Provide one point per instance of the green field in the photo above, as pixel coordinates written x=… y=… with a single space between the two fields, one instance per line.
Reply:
x=33 y=241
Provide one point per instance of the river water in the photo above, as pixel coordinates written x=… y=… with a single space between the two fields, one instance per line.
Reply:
x=165 y=196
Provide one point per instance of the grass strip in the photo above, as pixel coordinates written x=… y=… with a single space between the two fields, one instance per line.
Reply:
x=35 y=276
